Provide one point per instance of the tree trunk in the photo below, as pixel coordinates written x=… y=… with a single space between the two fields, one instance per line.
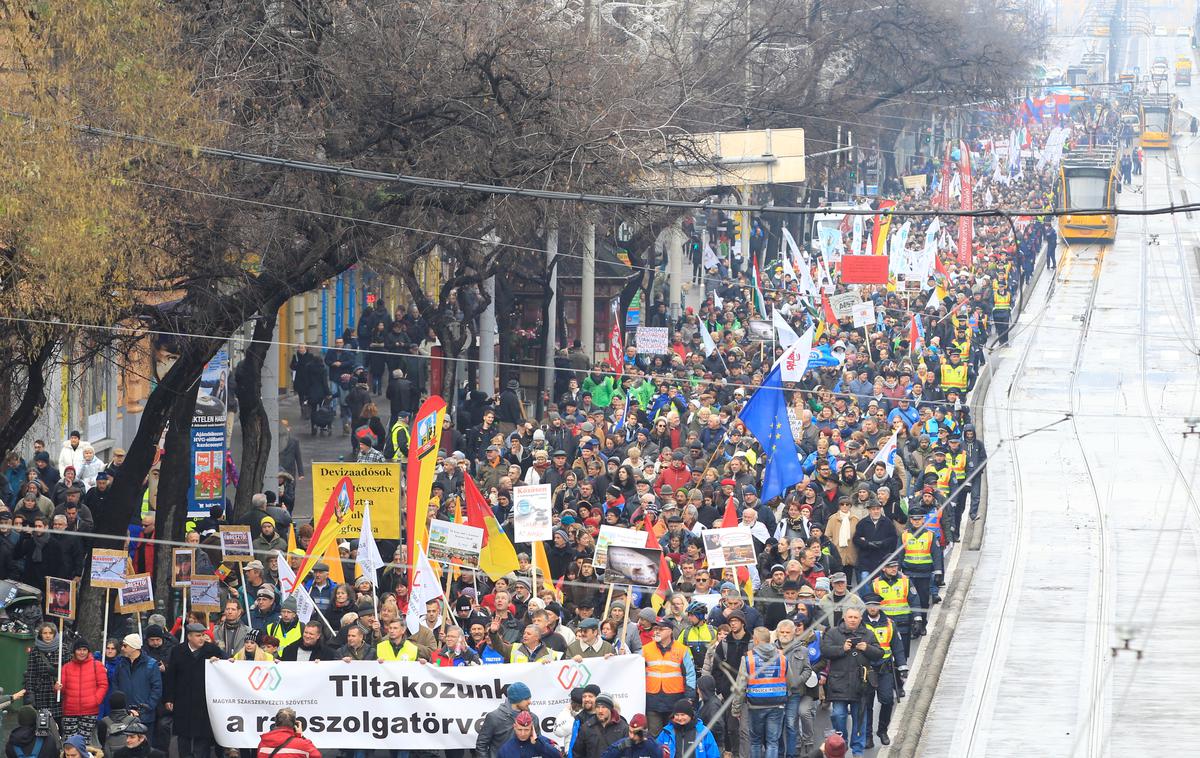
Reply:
x=125 y=501
x=174 y=481
x=33 y=399
x=256 y=427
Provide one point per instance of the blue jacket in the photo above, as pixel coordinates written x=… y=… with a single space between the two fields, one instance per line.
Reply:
x=707 y=747
x=625 y=748
x=541 y=748
x=142 y=684
x=810 y=462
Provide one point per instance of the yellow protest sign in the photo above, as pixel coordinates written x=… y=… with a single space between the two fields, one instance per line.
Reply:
x=376 y=486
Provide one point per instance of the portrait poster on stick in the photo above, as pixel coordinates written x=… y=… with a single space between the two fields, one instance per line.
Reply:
x=182 y=561
x=60 y=597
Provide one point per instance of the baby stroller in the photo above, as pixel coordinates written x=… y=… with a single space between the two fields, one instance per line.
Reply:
x=323 y=415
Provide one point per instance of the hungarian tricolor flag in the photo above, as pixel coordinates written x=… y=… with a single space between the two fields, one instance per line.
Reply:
x=760 y=303
x=498 y=556
x=664 y=567
x=728 y=520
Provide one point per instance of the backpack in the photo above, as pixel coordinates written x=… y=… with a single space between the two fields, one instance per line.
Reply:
x=37 y=749
x=115 y=739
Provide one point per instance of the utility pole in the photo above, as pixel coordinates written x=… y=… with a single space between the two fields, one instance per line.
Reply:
x=587 y=294
x=551 y=325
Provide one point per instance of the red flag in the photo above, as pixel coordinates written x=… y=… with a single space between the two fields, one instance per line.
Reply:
x=939 y=267
x=664 y=567
x=730 y=519
x=616 y=353
x=966 y=224
x=827 y=309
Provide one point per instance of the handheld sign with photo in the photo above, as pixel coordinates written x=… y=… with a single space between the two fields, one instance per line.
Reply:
x=731 y=546
x=137 y=594
x=615 y=536
x=108 y=568
x=205 y=594
x=182 y=561
x=454 y=544
x=637 y=566
x=532 y=514
x=236 y=545
x=60 y=597
x=843 y=304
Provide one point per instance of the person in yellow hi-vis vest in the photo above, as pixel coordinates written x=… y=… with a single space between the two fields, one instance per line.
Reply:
x=1002 y=312
x=953 y=373
x=898 y=599
x=396 y=646
x=529 y=650
x=922 y=562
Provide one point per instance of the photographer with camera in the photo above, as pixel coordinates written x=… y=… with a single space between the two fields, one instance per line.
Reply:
x=285 y=740
x=850 y=650
x=36 y=735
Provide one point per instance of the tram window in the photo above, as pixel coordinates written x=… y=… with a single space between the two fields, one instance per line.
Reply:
x=1088 y=191
x=1156 y=121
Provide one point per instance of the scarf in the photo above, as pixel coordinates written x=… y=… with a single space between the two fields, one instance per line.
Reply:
x=39 y=542
x=843 y=529
x=48 y=648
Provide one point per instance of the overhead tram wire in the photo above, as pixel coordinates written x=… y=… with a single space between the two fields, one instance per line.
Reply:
x=1017 y=329
x=590 y=198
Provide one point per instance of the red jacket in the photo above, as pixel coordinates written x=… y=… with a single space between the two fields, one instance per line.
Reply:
x=84 y=686
x=299 y=747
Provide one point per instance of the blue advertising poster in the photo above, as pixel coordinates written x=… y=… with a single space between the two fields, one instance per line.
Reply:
x=208 y=437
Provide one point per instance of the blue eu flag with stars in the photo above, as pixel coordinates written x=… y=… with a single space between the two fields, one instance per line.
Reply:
x=765 y=415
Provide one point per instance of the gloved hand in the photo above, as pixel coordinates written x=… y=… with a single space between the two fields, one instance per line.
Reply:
x=902 y=672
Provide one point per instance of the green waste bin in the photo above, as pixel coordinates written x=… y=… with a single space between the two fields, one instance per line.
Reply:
x=14 y=654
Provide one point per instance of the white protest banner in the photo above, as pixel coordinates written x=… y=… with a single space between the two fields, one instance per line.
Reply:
x=732 y=546
x=842 y=302
x=532 y=512
x=454 y=544
x=863 y=314
x=364 y=704
x=615 y=535
x=652 y=340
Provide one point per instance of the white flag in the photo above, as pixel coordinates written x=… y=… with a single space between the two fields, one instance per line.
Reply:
x=289 y=587
x=887 y=454
x=369 y=559
x=706 y=340
x=717 y=301
x=856 y=237
x=795 y=358
x=806 y=284
x=784 y=332
x=425 y=587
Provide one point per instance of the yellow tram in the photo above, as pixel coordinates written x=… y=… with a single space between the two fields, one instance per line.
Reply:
x=1157 y=113
x=1088 y=181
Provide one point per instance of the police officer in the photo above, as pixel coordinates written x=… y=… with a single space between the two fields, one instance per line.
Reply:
x=898 y=598
x=922 y=561
x=953 y=373
x=1002 y=311
x=940 y=468
x=398 y=438
x=956 y=459
x=887 y=673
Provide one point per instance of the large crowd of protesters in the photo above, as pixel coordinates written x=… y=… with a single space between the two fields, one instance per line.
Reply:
x=851 y=558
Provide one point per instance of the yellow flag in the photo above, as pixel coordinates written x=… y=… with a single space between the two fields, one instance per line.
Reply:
x=422 y=459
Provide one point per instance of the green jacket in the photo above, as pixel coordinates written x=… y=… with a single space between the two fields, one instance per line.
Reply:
x=643 y=394
x=602 y=391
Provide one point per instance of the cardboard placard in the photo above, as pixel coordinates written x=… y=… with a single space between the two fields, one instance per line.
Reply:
x=236 y=544
x=843 y=303
x=652 y=340
x=865 y=269
x=914 y=181
x=732 y=546
x=183 y=559
x=205 y=594
x=137 y=594
x=60 y=597
x=615 y=535
x=109 y=568
x=454 y=544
